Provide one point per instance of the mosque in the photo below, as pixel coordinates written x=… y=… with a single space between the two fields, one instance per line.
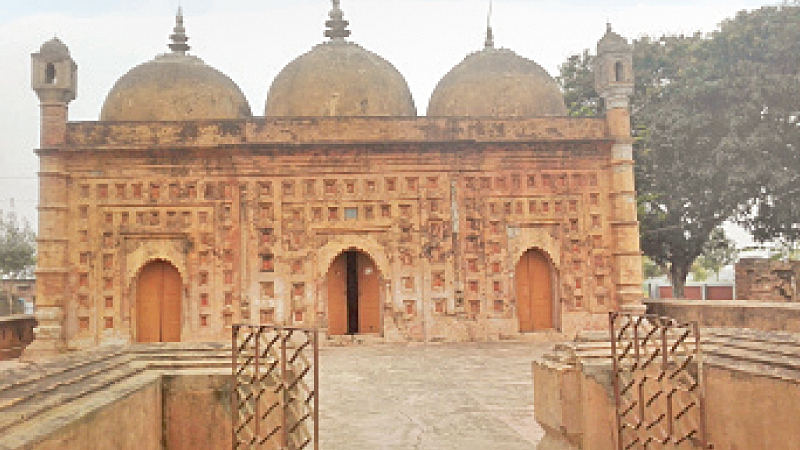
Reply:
x=179 y=213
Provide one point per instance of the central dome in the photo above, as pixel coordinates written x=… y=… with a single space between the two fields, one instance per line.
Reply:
x=497 y=83
x=339 y=78
x=174 y=86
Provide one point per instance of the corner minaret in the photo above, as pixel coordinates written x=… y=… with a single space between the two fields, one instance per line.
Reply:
x=54 y=78
x=614 y=83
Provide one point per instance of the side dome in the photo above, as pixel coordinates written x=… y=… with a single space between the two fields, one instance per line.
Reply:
x=174 y=86
x=497 y=83
x=339 y=78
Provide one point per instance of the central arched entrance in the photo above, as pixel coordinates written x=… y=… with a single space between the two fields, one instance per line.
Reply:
x=534 y=280
x=353 y=295
x=158 y=303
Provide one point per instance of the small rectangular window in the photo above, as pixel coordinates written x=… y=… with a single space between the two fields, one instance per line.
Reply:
x=351 y=213
x=268 y=262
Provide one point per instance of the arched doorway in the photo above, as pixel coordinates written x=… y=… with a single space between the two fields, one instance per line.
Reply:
x=158 y=303
x=534 y=281
x=353 y=294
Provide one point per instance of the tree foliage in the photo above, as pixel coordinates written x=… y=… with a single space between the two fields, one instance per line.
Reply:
x=577 y=83
x=719 y=252
x=17 y=247
x=762 y=48
x=715 y=122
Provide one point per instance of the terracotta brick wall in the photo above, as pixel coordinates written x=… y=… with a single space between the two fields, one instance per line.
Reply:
x=766 y=280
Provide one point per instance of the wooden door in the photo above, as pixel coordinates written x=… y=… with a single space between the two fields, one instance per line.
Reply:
x=337 y=296
x=534 y=292
x=368 y=293
x=158 y=303
x=148 y=304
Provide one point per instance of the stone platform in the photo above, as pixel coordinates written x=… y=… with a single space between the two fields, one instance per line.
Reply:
x=436 y=396
x=752 y=391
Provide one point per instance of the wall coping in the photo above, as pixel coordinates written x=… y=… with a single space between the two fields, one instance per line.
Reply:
x=724 y=304
x=333 y=130
x=17 y=317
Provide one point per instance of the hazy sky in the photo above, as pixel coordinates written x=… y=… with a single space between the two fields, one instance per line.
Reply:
x=251 y=40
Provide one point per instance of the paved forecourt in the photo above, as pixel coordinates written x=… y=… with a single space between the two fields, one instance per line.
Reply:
x=437 y=397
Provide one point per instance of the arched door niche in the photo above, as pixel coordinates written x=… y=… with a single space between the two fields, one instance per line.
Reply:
x=158 y=303
x=535 y=292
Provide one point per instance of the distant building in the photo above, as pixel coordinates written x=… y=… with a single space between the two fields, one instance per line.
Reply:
x=17 y=296
x=178 y=213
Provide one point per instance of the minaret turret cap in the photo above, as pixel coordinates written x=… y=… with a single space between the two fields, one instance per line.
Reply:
x=337 y=26
x=179 y=37
x=612 y=42
x=54 y=49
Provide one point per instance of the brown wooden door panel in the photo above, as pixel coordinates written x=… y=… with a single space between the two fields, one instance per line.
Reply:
x=171 y=304
x=534 y=286
x=541 y=292
x=369 y=289
x=148 y=314
x=337 y=296
x=158 y=303
x=522 y=280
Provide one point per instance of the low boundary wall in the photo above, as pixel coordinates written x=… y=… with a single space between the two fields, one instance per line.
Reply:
x=143 y=397
x=730 y=313
x=16 y=333
x=752 y=392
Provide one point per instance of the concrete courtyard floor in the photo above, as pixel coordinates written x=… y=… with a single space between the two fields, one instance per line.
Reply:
x=433 y=397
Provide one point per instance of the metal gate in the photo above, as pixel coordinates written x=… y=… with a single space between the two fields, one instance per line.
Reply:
x=658 y=383
x=276 y=393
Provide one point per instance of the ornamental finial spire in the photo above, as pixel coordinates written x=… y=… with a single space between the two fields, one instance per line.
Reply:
x=178 y=37
x=337 y=26
x=489 y=34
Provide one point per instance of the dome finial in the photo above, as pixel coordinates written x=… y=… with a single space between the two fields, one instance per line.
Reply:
x=178 y=37
x=337 y=26
x=489 y=34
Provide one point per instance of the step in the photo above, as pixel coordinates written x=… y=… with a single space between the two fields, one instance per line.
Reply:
x=63 y=394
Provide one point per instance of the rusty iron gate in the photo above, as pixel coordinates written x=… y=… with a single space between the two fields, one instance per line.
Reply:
x=658 y=383
x=276 y=388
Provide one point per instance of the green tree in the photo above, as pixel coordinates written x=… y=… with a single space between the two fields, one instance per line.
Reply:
x=719 y=252
x=17 y=255
x=577 y=83
x=761 y=49
x=651 y=269
x=715 y=121
x=786 y=251
x=681 y=119
x=17 y=247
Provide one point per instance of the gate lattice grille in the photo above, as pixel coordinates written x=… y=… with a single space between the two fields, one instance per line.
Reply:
x=276 y=395
x=658 y=389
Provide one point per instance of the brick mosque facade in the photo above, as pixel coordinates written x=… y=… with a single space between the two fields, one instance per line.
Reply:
x=404 y=227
